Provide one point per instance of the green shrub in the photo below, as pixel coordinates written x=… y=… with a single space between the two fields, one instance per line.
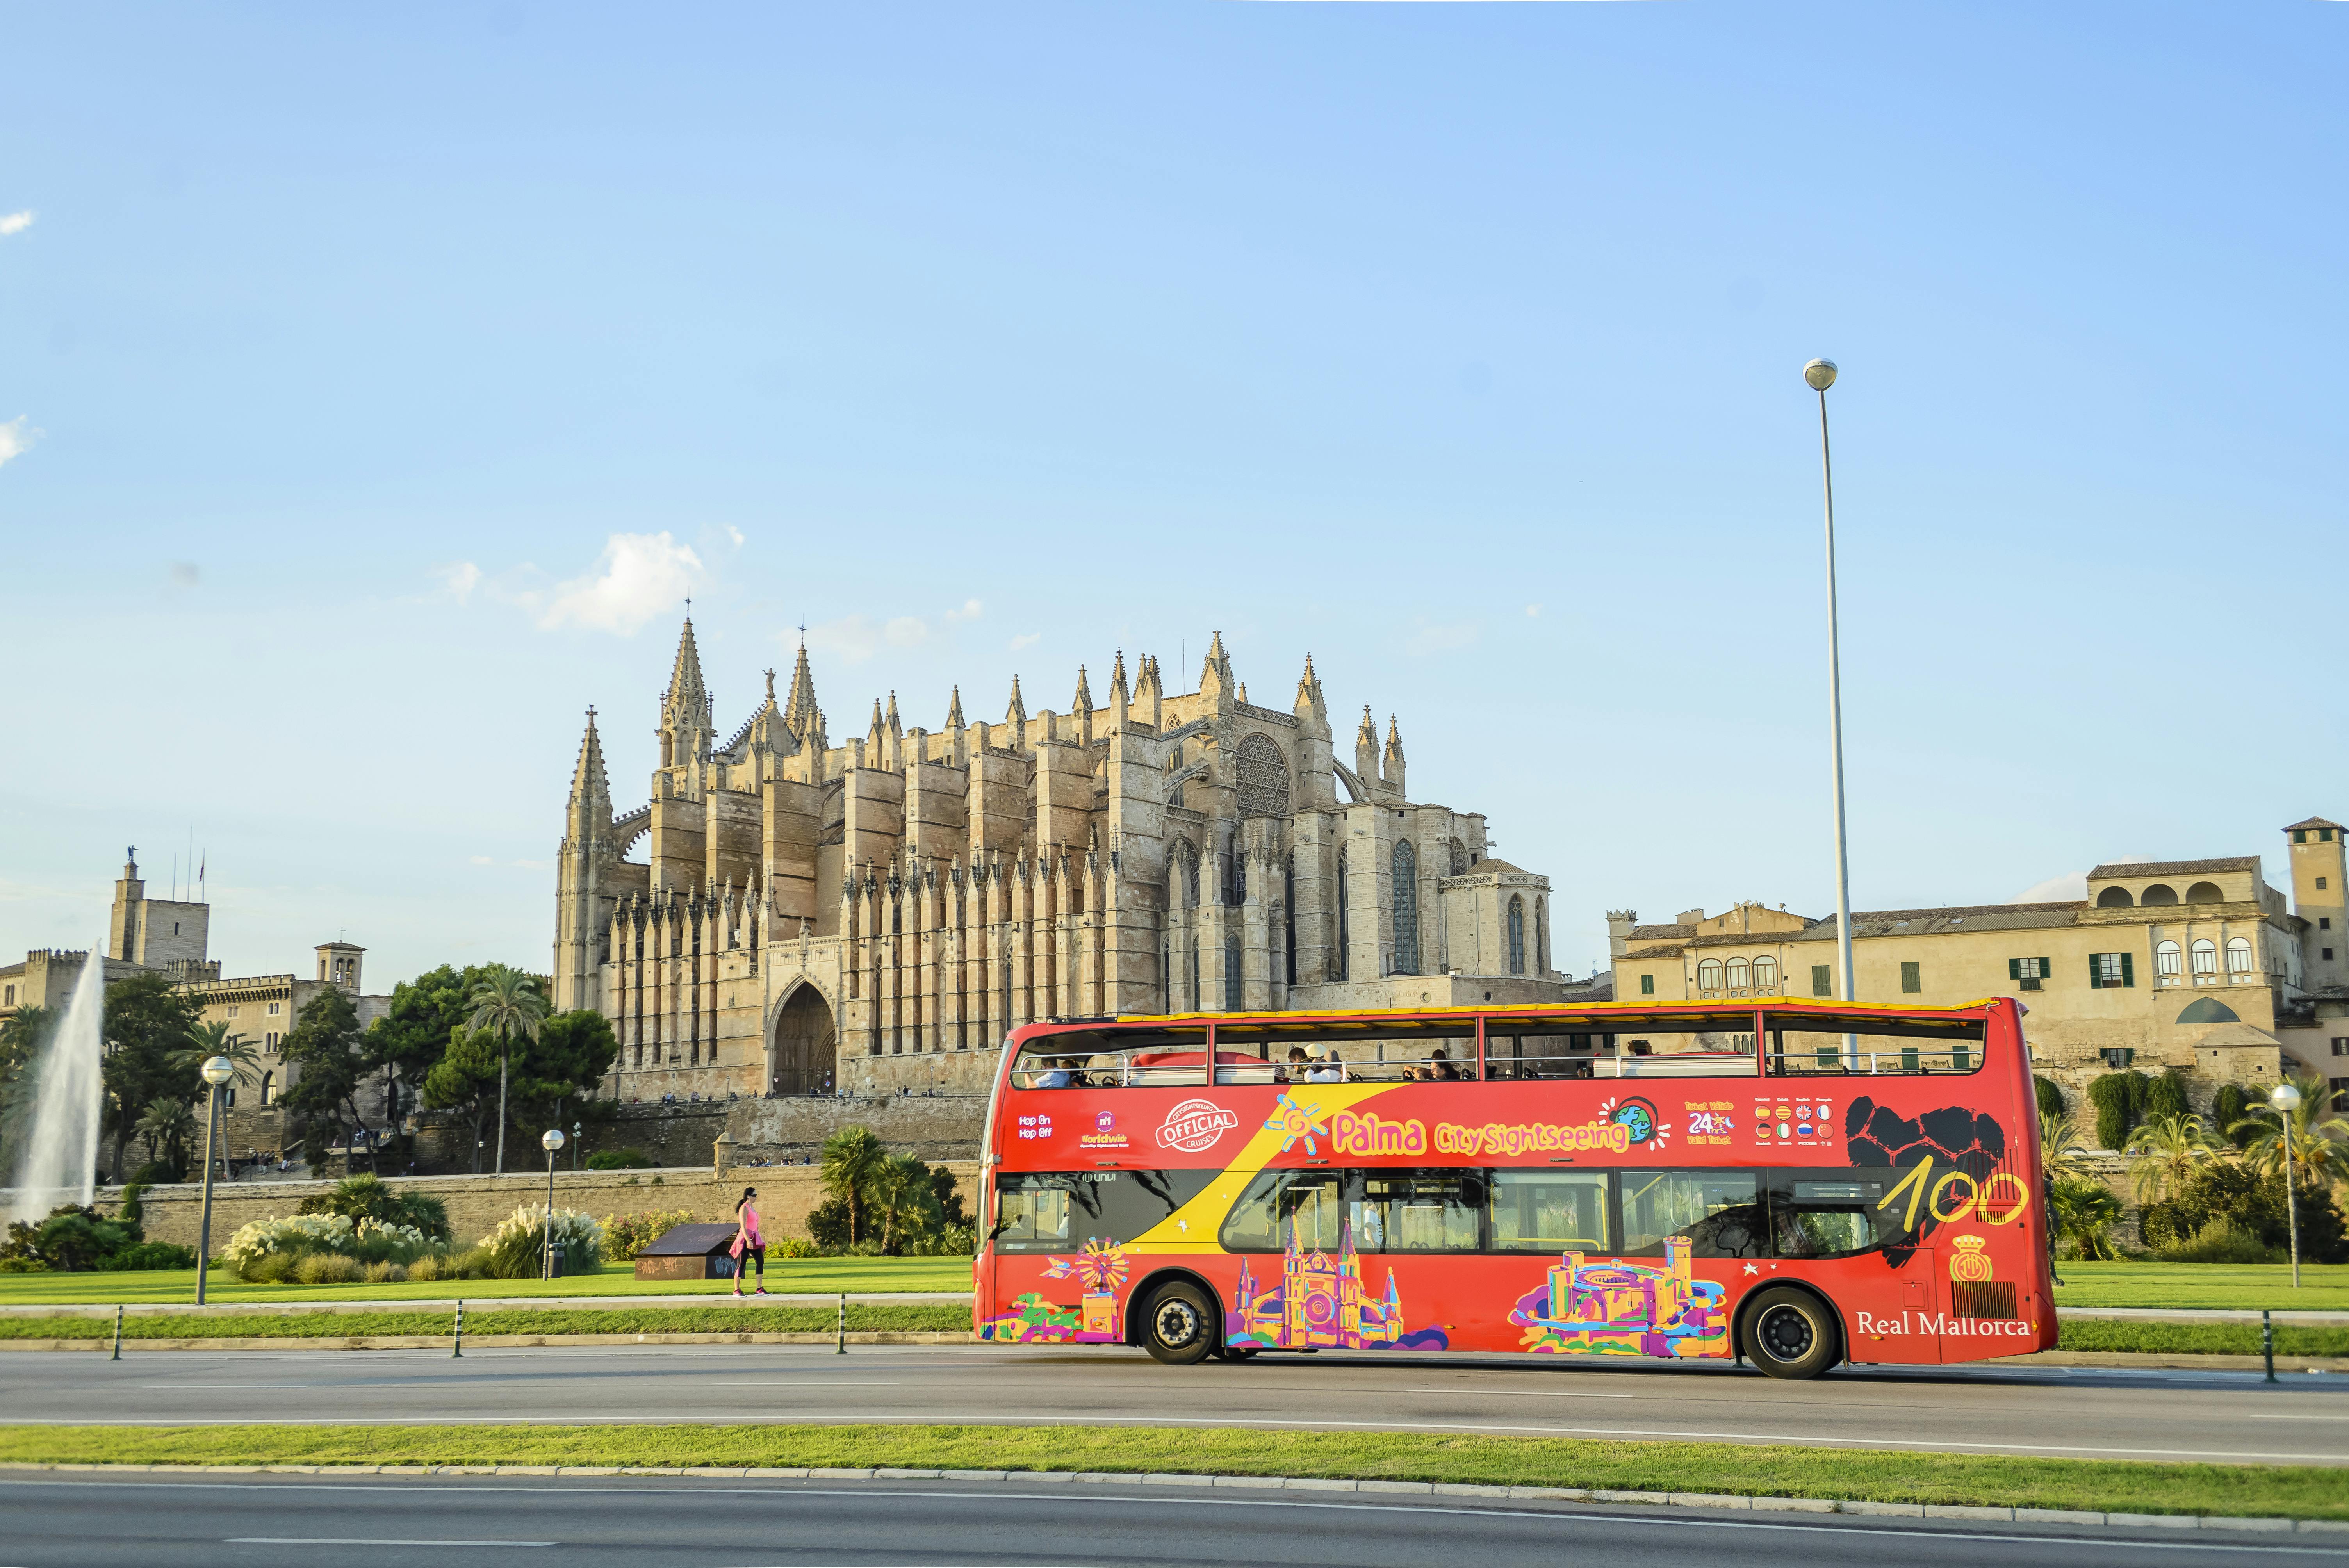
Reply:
x=272 y=1268
x=792 y=1247
x=2229 y=1191
x=128 y=1213
x=625 y=1236
x=2219 y=1242
x=152 y=1172
x=619 y=1160
x=154 y=1255
x=366 y=1197
x=72 y=1238
x=517 y=1248
x=385 y=1274
x=2164 y=1096
x=2051 y=1098
x=2085 y=1213
x=299 y=1235
x=2118 y=1097
x=326 y=1268
x=946 y=1242
x=828 y=1223
x=2228 y=1108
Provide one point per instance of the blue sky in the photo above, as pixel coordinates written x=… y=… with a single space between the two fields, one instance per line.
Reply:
x=374 y=384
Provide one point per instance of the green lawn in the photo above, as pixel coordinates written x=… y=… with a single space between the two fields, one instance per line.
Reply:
x=2251 y=1285
x=784 y=1277
x=2304 y=1491
x=618 y=1320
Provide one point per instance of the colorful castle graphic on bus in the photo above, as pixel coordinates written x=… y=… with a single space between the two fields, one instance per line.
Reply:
x=1321 y=1302
x=1622 y=1309
x=1101 y=1268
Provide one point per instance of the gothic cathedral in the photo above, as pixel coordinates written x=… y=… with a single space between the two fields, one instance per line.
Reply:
x=872 y=916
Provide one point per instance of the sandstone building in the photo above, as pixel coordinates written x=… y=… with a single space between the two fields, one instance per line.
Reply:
x=813 y=916
x=2195 y=964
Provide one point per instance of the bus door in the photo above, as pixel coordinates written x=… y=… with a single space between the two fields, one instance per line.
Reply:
x=1886 y=1290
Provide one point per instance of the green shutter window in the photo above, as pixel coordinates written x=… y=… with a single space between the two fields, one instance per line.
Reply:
x=2095 y=972
x=2128 y=970
x=1647 y=984
x=2047 y=969
x=1822 y=980
x=1912 y=979
x=2014 y=968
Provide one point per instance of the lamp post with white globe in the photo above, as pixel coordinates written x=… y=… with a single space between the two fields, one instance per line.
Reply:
x=2286 y=1099
x=1819 y=376
x=217 y=1071
x=551 y=1142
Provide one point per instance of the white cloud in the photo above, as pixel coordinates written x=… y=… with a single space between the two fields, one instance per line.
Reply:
x=14 y=222
x=16 y=439
x=460 y=579
x=907 y=632
x=484 y=860
x=1026 y=640
x=2071 y=885
x=735 y=534
x=1533 y=612
x=1433 y=639
x=638 y=577
x=970 y=611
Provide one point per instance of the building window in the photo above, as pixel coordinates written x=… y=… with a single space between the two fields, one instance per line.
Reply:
x=10 y=999
x=1912 y=979
x=1708 y=975
x=1345 y=963
x=1765 y=974
x=2300 y=835
x=2341 y=1094
x=1737 y=975
x=232 y=1012
x=2166 y=962
x=270 y=1039
x=1406 y=907
x=273 y=1009
x=2206 y=957
x=2028 y=973
x=2323 y=923
x=1822 y=980
x=2117 y=1056
x=2238 y=955
x=1516 y=934
x=1541 y=936
x=2320 y=884
x=2328 y=956
x=1231 y=973
x=268 y=1089
x=1647 y=984
x=2340 y=1046
x=2107 y=970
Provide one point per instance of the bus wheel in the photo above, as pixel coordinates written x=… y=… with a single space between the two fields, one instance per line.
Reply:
x=1791 y=1334
x=1180 y=1328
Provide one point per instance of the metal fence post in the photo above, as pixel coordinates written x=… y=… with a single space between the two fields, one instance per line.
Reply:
x=839 y=1344
x=118 y=1333
x=2267 y=1340
x=458 y=1347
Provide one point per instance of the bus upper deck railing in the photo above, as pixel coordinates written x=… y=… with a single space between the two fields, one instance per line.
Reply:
x=1095 y=1069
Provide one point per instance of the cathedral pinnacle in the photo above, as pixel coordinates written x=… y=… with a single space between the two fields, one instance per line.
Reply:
x=799 y=710
x=1083 y=701
x=1017 y=712
x=953 y=711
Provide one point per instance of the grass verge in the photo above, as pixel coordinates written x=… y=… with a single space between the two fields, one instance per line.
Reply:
x=2323 y=1288
x=620 y=1320
x=784 y=1277
x=2299 y=1491
x=2198 y=1339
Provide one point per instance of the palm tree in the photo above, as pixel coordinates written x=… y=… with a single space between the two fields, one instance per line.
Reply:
x=506 y=1004
x=206 y=1041
x=2168 y=1149
x=2085 y=1212
x=2062 y=1154
x=2320 y=1140
x=904 y=1200
x=852 y=1165
x=170 y=1122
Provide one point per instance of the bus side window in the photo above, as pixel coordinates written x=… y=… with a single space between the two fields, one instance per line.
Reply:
x=1032 y=1209
x=1436 y=1211
x=1720 y=1211
x=1549 y=1211
x=1831 y=1214
x=1309 y=1202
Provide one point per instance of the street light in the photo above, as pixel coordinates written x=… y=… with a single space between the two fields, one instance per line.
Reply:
x=216 y=1071
x=575 y=1146
x=551 y=1141
x=1819 y=376
x=2286 y=1099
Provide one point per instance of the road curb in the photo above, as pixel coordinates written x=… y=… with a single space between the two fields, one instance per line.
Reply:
x=2256 y=1523
x=492 y=1341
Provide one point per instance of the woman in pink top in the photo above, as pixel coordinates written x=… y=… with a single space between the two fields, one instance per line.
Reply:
x=749 y=1247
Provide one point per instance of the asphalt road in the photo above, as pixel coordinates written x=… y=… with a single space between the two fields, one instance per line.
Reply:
x=2077 y=1412
x=264 y=1523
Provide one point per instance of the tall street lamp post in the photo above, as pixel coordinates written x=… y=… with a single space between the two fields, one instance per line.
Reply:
x=1819 y=376
x=551 y=1142
x=2286 y=1099
x=217 y=1071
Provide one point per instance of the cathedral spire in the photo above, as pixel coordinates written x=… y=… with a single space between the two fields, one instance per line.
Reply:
x=590 y=784
x=1393 y=769
x=895 y=728
x=1083 y=703
x=799 y=708
x=1017 y=712
x=685 y=726
x=1215 y=681
x=953 y=711
x=1366 y=748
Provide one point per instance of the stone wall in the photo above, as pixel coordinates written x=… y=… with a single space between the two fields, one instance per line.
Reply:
x=936 y=1127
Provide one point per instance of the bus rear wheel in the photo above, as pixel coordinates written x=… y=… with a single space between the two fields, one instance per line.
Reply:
x=1180 y=1327
x=1791 y=1334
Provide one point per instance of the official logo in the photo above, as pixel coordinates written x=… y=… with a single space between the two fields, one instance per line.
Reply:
x=1196 y=1125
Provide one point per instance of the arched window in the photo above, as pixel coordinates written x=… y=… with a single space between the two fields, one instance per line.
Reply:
x=1737 y=975
x=1198 y=1005
x=269 y=1084
x=2238 y=955
x=1708 y=975
x=1231 y=973
x=1516 y=934
x=1289 y=919
x=1189 y=856
x=2205 y=893
x=1765 y=974
x=1345 y=963
x=1541 y=936
x=2165 y=959
x=2159 y=893
x=1263 y=776
x=2115 y=898
x=2206 y=957
x=1459 y=859
x=1406 y=908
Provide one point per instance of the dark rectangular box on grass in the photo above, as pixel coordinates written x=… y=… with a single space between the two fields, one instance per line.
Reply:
x=689 y=1252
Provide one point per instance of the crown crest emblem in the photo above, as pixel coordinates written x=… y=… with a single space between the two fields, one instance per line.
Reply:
x=1970 y=1244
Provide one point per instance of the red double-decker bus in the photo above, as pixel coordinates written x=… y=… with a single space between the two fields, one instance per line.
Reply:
x=1800 y=1184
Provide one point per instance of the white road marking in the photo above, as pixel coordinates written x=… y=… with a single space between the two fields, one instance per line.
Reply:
x=810 y=1383
x=1476 y=1393
x=361 y=1541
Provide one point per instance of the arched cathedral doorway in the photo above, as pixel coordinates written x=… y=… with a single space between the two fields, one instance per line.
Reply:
x=802 y=1062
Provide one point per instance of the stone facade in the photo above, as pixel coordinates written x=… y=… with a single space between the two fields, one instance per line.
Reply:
x=813 y=918
x=2197 y=966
